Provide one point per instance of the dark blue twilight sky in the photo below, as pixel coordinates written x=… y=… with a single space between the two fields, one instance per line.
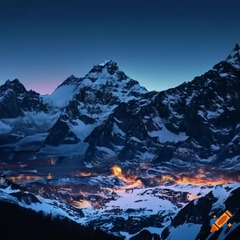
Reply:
x=160 y=43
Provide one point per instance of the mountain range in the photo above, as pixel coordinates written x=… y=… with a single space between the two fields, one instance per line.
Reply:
x=106 y=114
x=61 y=148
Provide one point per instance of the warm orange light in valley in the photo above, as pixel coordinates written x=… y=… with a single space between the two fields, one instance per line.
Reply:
x=24 y=178
x=139 y=177
x=200 y=178
x=116 y=170
x=81 y=204
x=205 y=181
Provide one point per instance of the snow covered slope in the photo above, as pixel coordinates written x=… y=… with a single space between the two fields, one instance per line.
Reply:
x=70 y=113
x=163 y=211
x=114 y=207
x=194 y=221
x=86 y=102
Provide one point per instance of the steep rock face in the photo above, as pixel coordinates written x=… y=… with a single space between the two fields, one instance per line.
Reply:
x=195 y=121
x=9 y=107
x=15 y=99
x=105 y=84
x=197 y=217
x=86 y=102
x=61 y=134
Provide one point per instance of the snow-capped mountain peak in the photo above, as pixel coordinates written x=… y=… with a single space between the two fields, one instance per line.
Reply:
x=107 y=62
x=175 y=118
x=100 y=74
x=105 y=77
x=70 y=81
x=108 y=68
x=15 y=100
x=14 y=85
x=86 y=102
x=234 y=57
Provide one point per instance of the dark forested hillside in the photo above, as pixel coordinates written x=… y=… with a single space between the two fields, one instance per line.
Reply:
x=21 y=223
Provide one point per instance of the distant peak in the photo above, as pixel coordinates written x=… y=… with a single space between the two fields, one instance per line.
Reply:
x=107 y=62
x=15 y=81
x=72 y=80
x=71 y=77
x=236 y=48
x=15 y=85
x=234 y=57
x=109 y=65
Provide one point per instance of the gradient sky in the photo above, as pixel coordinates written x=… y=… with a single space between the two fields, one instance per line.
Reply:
x=160 y=43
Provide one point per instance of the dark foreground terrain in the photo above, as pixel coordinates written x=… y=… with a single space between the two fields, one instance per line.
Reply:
x=20 y=223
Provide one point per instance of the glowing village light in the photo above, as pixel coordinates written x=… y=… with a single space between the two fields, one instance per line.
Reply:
x=116 y=170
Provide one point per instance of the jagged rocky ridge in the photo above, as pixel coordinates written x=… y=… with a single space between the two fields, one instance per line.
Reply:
x=194 y=122
x=92 y=99
x=15 y=99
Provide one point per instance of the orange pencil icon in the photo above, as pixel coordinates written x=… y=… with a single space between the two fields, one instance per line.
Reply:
x=221 y=221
